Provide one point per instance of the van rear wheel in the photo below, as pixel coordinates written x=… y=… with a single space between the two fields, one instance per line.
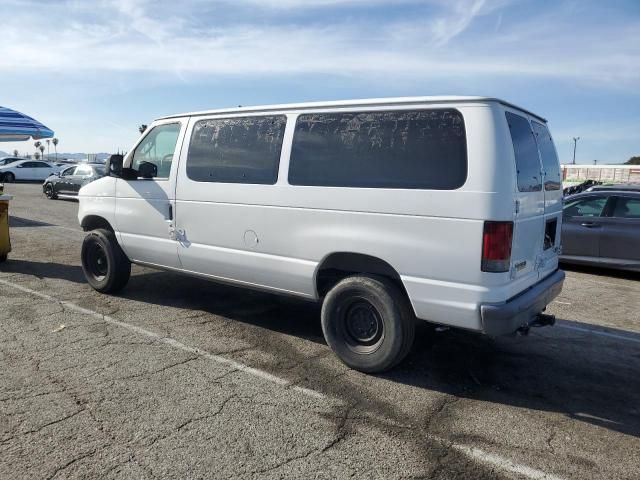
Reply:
x=105 y=265
x=368 y=322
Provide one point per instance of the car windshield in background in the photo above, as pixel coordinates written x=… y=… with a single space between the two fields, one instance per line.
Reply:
x=7 y=161
x=102 y=171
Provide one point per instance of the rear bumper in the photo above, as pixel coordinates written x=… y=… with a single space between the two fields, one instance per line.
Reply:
x=505 y=318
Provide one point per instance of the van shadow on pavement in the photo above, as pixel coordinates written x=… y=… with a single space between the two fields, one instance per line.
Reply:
x=586 y=377
x=17 y=222
x=61 y=271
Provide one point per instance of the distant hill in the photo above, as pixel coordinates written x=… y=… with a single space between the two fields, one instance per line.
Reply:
x=78 y=156
x=102 y=156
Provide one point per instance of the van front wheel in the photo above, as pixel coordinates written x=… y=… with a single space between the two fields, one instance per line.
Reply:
x=368 y=322
x=105 y=265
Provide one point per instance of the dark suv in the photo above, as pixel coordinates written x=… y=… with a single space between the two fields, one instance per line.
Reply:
x=68 y=182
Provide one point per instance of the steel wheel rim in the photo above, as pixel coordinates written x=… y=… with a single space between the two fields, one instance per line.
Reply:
x=362 y=326
x=97 y=262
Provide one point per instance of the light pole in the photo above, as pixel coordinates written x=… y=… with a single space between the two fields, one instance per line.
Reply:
x=575 y=143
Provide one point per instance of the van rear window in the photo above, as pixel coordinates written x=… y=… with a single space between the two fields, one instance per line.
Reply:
x=552 y=179
x=395 y=149
x=236 y=150
x=526 y=152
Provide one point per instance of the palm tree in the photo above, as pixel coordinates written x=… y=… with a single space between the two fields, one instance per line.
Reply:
x=142 y=128
x=55 y=146
x=41 y=150
x=48 y=151
x=16 y=153
x=36 y=156
x=37 y=144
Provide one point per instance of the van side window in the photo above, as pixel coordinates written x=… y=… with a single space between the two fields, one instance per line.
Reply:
x=526 y=151
x=236 y=150
x=158 y=148
x=552 y=179
x=392 y=149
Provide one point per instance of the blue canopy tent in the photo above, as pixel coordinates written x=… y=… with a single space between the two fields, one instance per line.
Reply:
x=17 y=127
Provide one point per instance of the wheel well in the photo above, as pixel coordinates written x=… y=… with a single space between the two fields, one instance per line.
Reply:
x=93 y=222
x=340 y=265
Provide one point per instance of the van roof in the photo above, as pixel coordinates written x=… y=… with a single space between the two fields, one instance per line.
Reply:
x=355 y=103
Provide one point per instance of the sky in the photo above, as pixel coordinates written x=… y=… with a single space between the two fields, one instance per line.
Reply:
x=94 y=70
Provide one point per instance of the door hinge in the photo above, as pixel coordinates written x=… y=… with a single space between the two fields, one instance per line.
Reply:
x=176 y=234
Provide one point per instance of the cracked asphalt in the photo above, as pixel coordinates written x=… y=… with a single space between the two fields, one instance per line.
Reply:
x=180 y=378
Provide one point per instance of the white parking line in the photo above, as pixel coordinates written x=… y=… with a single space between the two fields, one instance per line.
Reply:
x=472 y=452
x=593 y=331
x=170 y=341
x=632 y=286
x=504 y=463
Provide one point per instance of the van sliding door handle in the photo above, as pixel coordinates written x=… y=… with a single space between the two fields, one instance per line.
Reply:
x=590 y=225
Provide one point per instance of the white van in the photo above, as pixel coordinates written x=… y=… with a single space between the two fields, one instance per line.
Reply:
x=445 y=209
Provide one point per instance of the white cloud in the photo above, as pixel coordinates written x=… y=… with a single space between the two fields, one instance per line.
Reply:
x=139 y=36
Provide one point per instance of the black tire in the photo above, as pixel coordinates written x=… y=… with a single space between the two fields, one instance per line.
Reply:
x=105 y=265
x=368 y=322
x=9 y=177
x=49 y=192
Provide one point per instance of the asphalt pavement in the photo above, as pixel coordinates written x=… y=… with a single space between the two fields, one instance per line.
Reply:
x=177 y=378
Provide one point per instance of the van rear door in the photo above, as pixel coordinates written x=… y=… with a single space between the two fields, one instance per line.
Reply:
x=552 y=189
x=529 y=209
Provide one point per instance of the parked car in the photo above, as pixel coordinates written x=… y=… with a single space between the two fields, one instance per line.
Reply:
x=7 y=160
x=68 y=181
x=447 y=209
x=602 y=228
x=26 y=170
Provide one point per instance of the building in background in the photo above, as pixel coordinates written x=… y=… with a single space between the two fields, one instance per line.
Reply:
x=601 y=173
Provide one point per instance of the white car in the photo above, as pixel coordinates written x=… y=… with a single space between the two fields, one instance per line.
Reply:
x=445 y=209
x=27 y=170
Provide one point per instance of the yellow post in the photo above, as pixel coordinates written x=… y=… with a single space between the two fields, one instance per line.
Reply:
x=5 y=243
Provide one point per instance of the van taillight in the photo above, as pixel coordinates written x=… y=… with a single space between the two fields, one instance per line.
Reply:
x=496 y=246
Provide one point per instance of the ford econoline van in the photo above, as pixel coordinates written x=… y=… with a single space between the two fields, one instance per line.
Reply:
x=444 y=209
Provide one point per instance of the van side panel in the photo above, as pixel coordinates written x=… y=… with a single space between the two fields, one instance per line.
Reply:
x=276 y=236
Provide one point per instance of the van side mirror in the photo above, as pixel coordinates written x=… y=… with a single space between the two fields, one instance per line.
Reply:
x=115 y=168
x=114 y=165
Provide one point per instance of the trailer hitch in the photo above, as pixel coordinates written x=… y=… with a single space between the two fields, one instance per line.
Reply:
x=540 y=320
